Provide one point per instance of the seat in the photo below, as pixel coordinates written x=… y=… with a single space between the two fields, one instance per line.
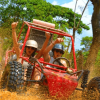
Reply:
x=39 y=36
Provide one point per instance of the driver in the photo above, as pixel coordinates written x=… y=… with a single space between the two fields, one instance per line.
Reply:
x=30 y=50
x=58 y=51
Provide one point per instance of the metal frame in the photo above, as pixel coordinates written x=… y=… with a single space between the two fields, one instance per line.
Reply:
x=42 y=28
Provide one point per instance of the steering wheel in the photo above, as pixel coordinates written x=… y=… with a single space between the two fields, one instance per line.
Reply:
x=58 y=61
x=32 y=59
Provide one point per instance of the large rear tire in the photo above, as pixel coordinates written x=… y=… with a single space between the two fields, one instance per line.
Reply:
x=93 y=89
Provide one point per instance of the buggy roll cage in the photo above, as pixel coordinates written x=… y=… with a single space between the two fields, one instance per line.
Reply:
x=42 y=28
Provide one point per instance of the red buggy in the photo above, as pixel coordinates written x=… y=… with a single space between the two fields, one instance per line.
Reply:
x=60 y=83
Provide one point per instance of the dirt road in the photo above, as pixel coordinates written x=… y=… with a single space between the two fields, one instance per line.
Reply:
x=32 y=94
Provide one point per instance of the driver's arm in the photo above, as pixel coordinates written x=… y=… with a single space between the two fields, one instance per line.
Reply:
x=46 y=55
x=15 y=43
x=47 y=34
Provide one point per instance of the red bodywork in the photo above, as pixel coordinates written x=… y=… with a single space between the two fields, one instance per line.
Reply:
x=59 y=83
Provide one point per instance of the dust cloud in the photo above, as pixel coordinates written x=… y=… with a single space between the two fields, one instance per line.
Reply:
x=34 y=94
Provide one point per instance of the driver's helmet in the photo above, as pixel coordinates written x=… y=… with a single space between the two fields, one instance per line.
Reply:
x=58 y=46
x=32 y=43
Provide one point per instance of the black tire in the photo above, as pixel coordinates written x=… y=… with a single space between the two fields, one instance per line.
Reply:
x=29 y=72
x=93 y=89
x=16 y=77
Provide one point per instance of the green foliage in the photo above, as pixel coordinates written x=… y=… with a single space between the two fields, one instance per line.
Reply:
x=4 y=3
x=41 y=10
x=84 y=56
x=86 y=42
x=8 y=44
x=79 y=30
x=98 y=59
x=27 y=10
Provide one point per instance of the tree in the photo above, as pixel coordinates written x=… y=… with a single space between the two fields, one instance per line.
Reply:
x=20 y=10
x=86 y=42
x=78 y=27
x=95 y=46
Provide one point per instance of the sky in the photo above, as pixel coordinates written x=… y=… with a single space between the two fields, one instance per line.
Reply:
x=79 y=8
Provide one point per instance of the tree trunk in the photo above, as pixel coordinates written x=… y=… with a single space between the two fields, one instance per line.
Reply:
x=71 y=52
x=80 y=60
x=96 y=37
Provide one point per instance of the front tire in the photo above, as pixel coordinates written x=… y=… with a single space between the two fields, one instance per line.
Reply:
x=16 y=76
